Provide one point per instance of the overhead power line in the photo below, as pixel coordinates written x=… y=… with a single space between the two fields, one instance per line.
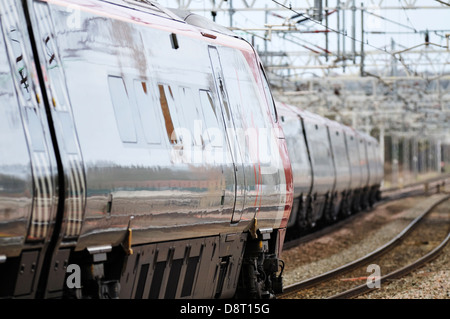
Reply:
x=394 y=55
x=444 y=3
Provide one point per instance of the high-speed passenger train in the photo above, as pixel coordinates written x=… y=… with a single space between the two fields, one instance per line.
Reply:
x=337 y=170
x=140 y=155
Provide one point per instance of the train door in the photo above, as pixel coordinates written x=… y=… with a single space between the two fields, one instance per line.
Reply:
x=42 y=159
x=71 y=183
x=231 y=138
x=63 y=121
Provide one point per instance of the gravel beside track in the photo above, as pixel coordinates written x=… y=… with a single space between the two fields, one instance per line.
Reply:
x=429 y=282
x=368 y=231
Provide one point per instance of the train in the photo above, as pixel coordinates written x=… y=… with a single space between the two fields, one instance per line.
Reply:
x=141 y=156
x=338 y=171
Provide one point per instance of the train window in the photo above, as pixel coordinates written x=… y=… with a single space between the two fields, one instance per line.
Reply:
x=224 y=99
x=209 y=113
x=318 y=138
x=192 y=115
x=167 y=101
x=122 y=109
x=35 y=127
x=68 y=130
x=49 y=45
x=269 y=97
x=149 y=113
x=340 y=152
x=207 y=101
x=209 y=108
x=21 y=67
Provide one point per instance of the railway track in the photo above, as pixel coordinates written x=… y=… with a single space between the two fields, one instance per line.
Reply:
x=433 y=185
x=326 y=284
x=351 y=293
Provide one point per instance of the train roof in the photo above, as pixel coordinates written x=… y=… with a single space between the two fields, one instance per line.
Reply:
x=152 y=7
x=202 y=22
x=349 y=130
x=334 y=124
x=181 y=22
x=290 y=110
x=367 y=137
x=284 y=109
x=312 y=117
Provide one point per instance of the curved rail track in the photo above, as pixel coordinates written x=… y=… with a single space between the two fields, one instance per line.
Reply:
x=362 y=289
x=328 y=276
x=429 y=186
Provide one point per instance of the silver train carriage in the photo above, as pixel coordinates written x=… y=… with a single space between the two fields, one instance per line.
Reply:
x=337 y=170
x=141 y=155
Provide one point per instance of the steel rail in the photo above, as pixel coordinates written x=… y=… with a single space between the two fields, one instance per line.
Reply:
x=388 y=195
x=291 y=289
x=363 y=289
x=435 y=182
